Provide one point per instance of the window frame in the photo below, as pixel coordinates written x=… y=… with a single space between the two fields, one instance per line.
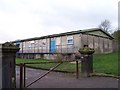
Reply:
x=70 y=40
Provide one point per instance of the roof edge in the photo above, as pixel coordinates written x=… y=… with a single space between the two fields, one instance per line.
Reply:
x=67 y=33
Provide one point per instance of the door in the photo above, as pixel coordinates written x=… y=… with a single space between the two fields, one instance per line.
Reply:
x=52 y=45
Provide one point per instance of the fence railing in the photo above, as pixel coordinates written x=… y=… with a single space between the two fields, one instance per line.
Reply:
x=56 y=50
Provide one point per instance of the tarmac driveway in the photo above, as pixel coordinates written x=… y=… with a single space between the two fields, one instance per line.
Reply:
x=62 y=80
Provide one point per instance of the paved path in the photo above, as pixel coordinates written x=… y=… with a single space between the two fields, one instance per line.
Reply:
x=62 y=80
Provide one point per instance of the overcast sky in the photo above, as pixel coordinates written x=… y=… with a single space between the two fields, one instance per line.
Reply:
x=21 y=19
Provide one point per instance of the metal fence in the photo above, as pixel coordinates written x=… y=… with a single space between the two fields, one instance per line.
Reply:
x=23 y=72
x=58 y=49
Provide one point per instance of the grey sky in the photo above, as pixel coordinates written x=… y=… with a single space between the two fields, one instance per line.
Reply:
x=20 y=19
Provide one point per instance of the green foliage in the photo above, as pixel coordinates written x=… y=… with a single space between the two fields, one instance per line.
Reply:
x=106 y=63
x=116 y=34
x=21 y=60
x=86 y=50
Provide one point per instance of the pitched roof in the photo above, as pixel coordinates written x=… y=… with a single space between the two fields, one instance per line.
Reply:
x=85 y=31
x=97 y=29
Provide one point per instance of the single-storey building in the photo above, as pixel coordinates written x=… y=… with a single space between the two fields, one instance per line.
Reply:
x=66 y=44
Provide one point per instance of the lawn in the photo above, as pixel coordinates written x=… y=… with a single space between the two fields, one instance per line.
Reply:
x=106 y=63
x=66 y=66
x=102 y=63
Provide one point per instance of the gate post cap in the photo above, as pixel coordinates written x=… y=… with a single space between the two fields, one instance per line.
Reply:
x=9 y=47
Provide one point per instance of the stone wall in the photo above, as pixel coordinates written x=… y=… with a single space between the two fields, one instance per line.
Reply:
x=100 y=44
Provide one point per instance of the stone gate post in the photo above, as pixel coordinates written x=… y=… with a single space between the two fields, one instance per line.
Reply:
x=87 y=65
x=86 y=60
x=7 y=62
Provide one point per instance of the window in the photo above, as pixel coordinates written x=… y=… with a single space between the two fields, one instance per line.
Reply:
x=58 y=41
x=44 y=42
x=52 y=39
x=32 y=42
x=36 y=43
x=29 y=44
x=70 y=40
x=23 y=44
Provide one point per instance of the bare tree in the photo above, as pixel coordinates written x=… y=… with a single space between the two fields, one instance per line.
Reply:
x=105 y=25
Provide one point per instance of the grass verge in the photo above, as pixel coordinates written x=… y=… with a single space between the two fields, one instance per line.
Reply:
x=102 y=63
x=64 y=67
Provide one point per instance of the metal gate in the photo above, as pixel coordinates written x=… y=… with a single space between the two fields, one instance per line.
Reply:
x=23 y=72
